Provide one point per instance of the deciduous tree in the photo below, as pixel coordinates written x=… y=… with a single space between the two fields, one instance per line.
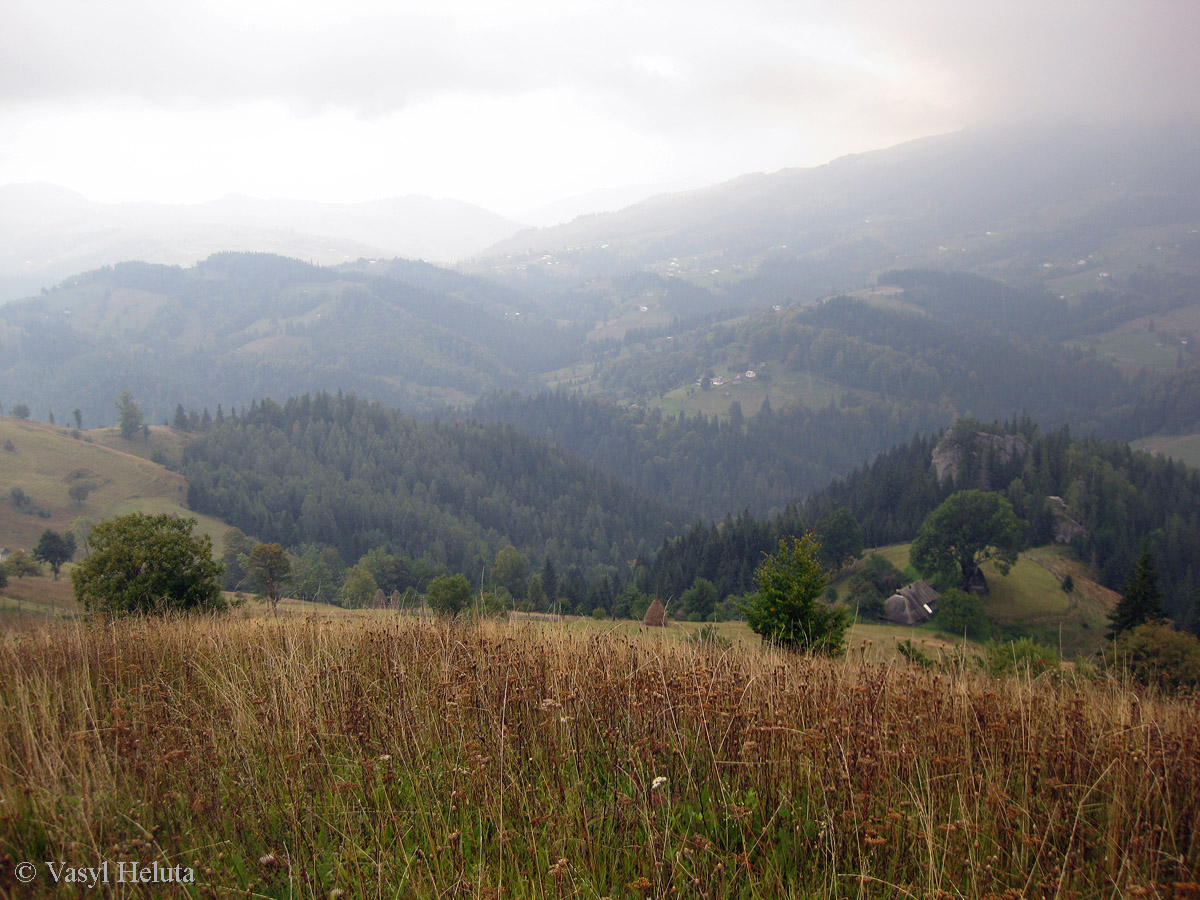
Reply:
x=54 y=549
x=510 y=571
x=967 y=529
x=270 y=569
x=449 y=595
x=148 y=564
x=20 y=564
x=699 y=600
x=358 y=587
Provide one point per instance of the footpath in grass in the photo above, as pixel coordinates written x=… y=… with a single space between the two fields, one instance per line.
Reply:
x=311 y=757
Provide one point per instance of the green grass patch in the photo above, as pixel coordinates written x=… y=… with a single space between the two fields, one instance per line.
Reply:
x=1151 y=350
x=1183 y=447
x=1029 y=602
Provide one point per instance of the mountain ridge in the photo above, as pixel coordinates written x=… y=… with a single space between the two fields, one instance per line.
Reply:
x=49 y=233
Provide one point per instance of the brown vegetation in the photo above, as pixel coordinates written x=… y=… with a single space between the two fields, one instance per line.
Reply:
x=406 y=758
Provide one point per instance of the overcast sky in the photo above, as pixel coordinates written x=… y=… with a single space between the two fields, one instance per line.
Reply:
x=514 y=104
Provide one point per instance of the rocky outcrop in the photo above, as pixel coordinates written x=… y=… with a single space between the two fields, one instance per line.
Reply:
x=1066 y=529
x=986 y=450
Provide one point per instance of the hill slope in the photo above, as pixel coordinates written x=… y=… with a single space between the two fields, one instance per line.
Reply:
x=240 y=326
x=48 y=233
x=45 y=462
x=1056 y=204
x=341 y=472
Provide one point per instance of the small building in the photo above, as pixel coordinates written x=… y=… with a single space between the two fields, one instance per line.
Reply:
x=656 y=615
x=911 y=605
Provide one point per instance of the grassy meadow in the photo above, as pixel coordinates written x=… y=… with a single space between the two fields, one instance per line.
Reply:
x=383 y=756
x=47 y=461
x=1183 y=447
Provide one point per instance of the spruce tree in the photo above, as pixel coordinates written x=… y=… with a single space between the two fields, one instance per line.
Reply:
x=1142 y=601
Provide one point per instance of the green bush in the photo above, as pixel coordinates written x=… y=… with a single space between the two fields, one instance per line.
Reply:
x=961 y=613
x=1155 y=653
x=448 y=595
x=141 y=564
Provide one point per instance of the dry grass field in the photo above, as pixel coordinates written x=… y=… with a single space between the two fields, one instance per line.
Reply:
x=47 y=461
x=376 y=756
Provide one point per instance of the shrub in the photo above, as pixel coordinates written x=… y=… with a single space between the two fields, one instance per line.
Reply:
x=448 y=595
x=1155 y=653
x=960 y=613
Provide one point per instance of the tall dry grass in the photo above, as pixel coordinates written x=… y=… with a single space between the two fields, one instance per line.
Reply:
x=412 y=759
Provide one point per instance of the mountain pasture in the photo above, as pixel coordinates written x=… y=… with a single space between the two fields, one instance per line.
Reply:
x=46 y=461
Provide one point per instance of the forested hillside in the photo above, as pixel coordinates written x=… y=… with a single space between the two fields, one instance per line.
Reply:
x=239 y=326
x=349 y=474
x=756 y=413
x=714 y=466
x=1098 y=496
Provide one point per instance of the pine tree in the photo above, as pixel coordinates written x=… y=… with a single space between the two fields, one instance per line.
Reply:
x=1142 y=601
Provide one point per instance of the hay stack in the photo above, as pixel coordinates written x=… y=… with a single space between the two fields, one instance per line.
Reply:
x=656 y=615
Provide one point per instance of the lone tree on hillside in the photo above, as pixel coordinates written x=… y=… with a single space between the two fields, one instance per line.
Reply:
x=129 y=415
x=148 y=564
x=967 y=529
x=1142 y=601
x=54 y=549
x=270 y=569
x=787 y=610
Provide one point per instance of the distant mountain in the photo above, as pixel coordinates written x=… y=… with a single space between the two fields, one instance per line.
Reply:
x=1056 y=206
x=602 y=200
x=237 y=326
x=48 y=233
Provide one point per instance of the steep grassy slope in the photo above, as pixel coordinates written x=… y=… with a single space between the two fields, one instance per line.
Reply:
x=46 y=462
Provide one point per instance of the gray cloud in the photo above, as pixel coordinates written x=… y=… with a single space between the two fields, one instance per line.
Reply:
x=683 y=87
x=999 y=58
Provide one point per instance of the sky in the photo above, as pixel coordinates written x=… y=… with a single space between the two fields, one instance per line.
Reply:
x=514 y=105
